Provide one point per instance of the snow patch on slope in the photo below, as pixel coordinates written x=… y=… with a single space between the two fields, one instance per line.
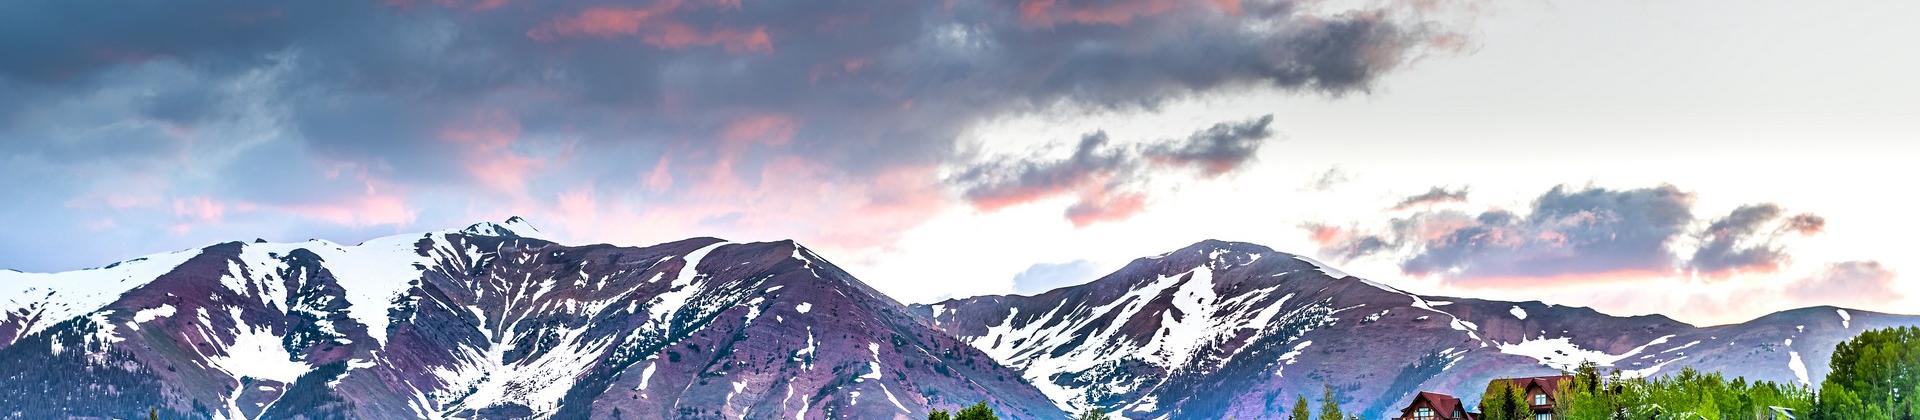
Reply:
x=50 y=298
x=150 y=314
x=1336 y=273
x=1561 y=353
x=664 y=305
x=257 y=353
x=1798 y=366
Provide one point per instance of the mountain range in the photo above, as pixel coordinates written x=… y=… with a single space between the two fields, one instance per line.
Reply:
x=491 y=321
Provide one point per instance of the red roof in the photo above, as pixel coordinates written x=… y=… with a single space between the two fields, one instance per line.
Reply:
x=1443 y=405
x=1551 y=384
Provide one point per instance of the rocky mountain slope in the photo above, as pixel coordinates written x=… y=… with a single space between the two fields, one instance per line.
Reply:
x=492 y=322
x=1235 y=330
x=484 y=322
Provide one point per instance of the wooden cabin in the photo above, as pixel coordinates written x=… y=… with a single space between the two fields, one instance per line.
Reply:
x=1435 y=406
x=1540 y=392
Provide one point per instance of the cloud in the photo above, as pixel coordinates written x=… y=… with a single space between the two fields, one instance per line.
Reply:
x=1432 y=196
x=1847 y=283
x=1106 y=177
x=1806 y=224
x=457 y=105
x=1325 y=181
x=1216 y=150
x=1567 y=232
x=1105 y=208
x=655 y=24
x=1343 y=244
x=1572 y=235
x=1742 y=242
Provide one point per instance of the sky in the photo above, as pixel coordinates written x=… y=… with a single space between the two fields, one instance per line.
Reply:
x=1708 y=161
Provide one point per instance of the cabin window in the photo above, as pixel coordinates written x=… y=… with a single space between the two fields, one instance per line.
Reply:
x=1423 y=413
x=1540 y=399
x=1543 y=416
x=1459 y=414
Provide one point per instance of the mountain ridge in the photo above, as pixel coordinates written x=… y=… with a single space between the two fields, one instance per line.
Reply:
x=1239 y=362
x=489 y=321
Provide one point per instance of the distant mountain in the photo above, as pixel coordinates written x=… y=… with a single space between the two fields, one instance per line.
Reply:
x=1236 y=330
x=491 y=322
x=483 y=322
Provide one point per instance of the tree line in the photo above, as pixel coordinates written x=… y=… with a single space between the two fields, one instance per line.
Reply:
x=980 y=411
x=1874 y=376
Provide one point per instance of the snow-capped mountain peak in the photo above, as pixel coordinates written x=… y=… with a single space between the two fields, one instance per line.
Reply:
x=513 y=227
x=1223 y=329
x=484 y=322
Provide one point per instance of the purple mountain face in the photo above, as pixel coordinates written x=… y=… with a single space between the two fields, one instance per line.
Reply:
x=485 y=322
x=491 y=322
x=1235 y=330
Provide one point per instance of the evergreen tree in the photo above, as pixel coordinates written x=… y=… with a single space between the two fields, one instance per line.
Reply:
x=1329 y=407
x=1300 y=410
x=1094 y=414
x=1504 y=402
x=978 y=411
x=1519 y=408
x=939 y=415
x=1493 y=402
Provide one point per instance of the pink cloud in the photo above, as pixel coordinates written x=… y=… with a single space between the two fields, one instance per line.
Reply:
x=380 y=202
x=1848 y=283
x=486 y=139
x=1057 y=184
x=661 y=177
x=765 y=128
x=741 y=136
x=1097 y=198
x=372 y=209
x=1326 y=235
x=604 y=22
x=1806 y=224
x=675 y=35
x=200 y=209
x=1106 y=208
x=787 y=197
x=654 y=24
x=1111 y=181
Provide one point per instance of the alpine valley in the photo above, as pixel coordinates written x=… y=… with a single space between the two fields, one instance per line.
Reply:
x=492 y=322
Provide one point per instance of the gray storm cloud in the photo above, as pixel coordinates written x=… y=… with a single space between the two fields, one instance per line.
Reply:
x=1574 y=233
x=1747 y=239
x=506 y=100
x=1106 y=176
x=1435 y=195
